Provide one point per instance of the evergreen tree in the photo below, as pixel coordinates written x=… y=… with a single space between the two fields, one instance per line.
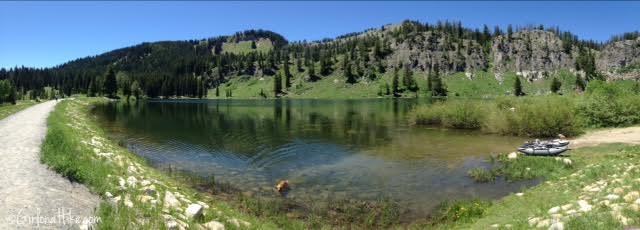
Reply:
x=555 y=85
x=253 y=45
x=299 y=65
x=287 y=74
x=517 y=88
x=351 y=78
x=312 y=72
x=91 y=92
x=395 y=83
x=277 y=85
x=580 y=84
x=408 y=80
x=387 y=89
x=110 y=84
x=438 y=87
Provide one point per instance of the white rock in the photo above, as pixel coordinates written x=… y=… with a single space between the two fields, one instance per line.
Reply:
x=512 y=155
x=495 y=225
x=519 y=194
x=145 y=198
x=239 y=223
x=193 y=211
x=170 y=200
x=171 y=224
x=115 y=200
x=557 y=226
x=213 y=225
x=567 y=161
x=127 y=202
x=131 y=181
x=543 y=223
x=631 y=196
x=584 y=206
x=145 y=182
x=132 y=169
x=533 y=221
x=566 y=206
x=618 y=190
x=121 y=183
x=108 y=194
x=612 y=197
x=554 y=210
x=205 y=205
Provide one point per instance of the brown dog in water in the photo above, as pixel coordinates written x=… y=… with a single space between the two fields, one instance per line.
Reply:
x=283 y=187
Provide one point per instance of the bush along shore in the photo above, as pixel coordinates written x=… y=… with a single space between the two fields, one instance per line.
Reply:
x=135 y=195
x=602 y=105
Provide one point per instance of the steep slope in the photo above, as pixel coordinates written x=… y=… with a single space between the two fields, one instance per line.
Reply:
x=620 y=60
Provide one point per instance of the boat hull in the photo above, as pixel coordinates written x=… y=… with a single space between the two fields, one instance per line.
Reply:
x=543 y=151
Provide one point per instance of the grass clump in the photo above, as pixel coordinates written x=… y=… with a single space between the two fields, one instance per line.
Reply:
x=462 y=211
x=481 y=175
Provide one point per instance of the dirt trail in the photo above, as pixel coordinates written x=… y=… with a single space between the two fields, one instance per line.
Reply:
x=31 y=195
x=629 y=135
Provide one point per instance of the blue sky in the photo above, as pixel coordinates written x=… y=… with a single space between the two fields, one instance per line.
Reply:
x=44 y=34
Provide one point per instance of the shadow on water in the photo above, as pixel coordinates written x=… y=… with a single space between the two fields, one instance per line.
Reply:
x=355 y=150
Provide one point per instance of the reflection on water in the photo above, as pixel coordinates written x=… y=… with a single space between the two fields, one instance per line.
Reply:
x=327 y=149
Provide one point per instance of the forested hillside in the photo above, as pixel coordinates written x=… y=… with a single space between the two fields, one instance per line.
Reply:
x=392 y=60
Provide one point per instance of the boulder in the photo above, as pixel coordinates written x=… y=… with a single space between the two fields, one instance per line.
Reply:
x=554 y=210
x=170 y=200
x=193 y=211
x=131 y=181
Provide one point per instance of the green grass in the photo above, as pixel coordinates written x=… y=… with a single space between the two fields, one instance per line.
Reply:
x=8 y=109
x=611 y=163
x=262 y=45
x=334 y=86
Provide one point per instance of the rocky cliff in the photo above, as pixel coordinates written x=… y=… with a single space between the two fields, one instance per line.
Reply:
x=620 y=60
x=531 y=54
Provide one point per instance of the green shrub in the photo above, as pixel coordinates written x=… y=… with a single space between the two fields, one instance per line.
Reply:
x=542 y=117
x=609 y=105
x=461 y=211
x=481 y=175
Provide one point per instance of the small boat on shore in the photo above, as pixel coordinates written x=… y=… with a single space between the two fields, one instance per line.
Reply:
x=545 y=148
x=548 y=150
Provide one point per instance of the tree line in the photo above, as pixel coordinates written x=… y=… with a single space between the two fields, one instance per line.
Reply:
x=190 y=68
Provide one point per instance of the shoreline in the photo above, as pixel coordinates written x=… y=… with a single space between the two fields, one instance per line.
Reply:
x=81 y=108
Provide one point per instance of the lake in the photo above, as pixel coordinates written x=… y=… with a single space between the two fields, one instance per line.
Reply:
x=327 y=149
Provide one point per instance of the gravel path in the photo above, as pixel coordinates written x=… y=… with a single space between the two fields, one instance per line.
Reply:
x=628 y=135
x=31 y=195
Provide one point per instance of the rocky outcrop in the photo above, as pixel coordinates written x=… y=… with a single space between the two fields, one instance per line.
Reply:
x=430 y=50
x=532 y=54
x=620 y=60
